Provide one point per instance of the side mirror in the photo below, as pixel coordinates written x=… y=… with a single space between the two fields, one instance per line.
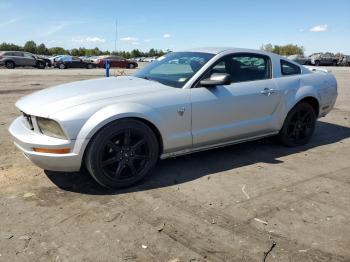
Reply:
x=216 y=80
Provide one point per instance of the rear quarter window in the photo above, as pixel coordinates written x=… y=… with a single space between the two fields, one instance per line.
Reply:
x=288 y=69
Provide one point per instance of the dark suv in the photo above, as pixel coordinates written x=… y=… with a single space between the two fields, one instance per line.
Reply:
x=12 y=59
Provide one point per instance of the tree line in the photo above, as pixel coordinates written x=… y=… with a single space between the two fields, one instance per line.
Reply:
x=285 y=50
x=41 y=49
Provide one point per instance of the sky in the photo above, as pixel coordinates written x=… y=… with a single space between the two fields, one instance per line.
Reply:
x=319 y=26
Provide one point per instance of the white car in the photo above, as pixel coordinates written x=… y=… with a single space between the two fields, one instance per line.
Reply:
x=149 y=59
x=119 y=127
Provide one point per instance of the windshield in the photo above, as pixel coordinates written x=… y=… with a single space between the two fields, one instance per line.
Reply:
x=174 y=69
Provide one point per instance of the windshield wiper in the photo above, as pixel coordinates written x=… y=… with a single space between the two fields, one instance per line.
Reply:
x=149 y=79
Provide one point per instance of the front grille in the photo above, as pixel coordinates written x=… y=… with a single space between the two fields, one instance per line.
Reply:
x=28 y=121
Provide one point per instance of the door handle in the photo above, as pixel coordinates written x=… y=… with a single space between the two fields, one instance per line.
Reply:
x=268 y=91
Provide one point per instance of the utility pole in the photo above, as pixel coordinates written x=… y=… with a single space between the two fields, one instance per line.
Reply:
x=116 y=35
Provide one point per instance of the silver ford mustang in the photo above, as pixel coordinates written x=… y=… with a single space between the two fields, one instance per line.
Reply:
x=181 y=103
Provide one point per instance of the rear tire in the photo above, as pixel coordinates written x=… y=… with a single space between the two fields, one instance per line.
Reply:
x=131 y=66
x=317 y=63
x=10 y=65
x=298 y=126
x=90 y=66
x=122 y=154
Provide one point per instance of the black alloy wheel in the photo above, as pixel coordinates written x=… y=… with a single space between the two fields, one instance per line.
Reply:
x=299 y=125
x=10 y=65
x=122 y=154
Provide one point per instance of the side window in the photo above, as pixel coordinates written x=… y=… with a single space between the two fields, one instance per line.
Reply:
x=244 y=67
x=27 y=55
x=16 y=54
x=288 y=69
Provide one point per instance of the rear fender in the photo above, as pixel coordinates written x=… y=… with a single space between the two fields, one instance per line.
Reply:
x=294 y=97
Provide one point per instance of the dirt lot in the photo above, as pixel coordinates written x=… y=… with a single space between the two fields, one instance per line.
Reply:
x=228 y=204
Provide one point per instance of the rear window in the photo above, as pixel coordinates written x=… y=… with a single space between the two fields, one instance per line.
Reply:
x=288 y=69
x=9 y=54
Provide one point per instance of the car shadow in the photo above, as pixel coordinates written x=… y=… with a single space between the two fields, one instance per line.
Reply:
x=190 y=167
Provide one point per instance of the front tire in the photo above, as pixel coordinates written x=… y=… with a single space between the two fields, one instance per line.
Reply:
x=122 y=154
x=298 y=126
x=62 y=66
x=10 y=65
x=131 y=66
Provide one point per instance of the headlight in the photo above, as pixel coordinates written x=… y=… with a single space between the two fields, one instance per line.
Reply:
x=50 y=127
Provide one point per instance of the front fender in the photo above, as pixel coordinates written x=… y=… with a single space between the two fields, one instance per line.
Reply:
x=111 y=113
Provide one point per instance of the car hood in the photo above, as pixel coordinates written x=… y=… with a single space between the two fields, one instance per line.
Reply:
x=51 y=100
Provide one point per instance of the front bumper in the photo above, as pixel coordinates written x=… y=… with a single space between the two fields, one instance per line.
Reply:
x=26 y=140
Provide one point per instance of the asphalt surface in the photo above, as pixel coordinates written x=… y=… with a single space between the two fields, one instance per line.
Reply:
x=228 y=204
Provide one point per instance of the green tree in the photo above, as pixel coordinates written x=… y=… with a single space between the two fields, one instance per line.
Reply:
x=136 y=53
x=9 y=47
x=58 y=51
x=152 y=52
x=42 y=50
x=268 y=48
x=30 y=46
x=74 y=52
x=285 y=50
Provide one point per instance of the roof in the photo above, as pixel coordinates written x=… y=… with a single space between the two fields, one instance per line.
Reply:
x=217 y=50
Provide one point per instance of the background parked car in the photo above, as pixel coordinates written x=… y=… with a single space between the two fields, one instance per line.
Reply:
x=150 y=59
x=45 y=59
x=300 y=59
x=54 y=58
x=137 y=59
x=323 y=59
x=344 y=60
x=12 y=59
x=72 y=62
x=116 y=61
x=91 y=59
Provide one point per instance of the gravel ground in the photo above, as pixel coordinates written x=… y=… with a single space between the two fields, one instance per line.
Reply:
x=228 y=204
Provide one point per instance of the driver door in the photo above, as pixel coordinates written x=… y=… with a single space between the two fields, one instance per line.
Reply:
x=76 y=62
x=243 y=109
x=28 y=59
